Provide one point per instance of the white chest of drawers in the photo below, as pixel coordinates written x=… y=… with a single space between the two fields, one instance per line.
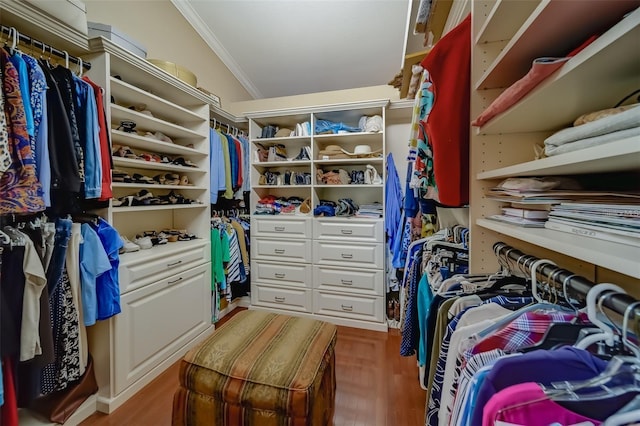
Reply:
x=281 y=249
x=328 y=268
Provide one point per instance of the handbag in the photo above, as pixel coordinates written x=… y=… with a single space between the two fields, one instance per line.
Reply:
x=58 y=406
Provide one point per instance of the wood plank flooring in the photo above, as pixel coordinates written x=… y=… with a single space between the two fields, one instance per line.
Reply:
x=375 y=387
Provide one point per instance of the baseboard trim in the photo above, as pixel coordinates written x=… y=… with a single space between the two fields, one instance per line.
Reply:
x=374 y=326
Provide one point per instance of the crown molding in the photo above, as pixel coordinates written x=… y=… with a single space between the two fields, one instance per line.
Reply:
x=194 y=19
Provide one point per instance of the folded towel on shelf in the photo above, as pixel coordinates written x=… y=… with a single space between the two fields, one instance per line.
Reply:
x=589 y=142
x=609 y=124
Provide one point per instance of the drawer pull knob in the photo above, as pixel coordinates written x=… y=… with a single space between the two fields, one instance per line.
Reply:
x=279 y=251
x=348 y=308
x=279 y=275
x=346 y=282
x=279 y=228
x=347 y=256
x=346 y=231
x=279 y=299
x=169 y=265
x=174 y=281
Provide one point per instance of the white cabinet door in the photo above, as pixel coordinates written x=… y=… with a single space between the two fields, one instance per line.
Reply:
x=157 y=320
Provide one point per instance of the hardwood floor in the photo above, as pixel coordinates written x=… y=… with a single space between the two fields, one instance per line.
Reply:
x=375 y=387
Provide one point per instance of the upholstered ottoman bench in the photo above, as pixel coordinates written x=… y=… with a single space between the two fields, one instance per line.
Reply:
x=262 y=369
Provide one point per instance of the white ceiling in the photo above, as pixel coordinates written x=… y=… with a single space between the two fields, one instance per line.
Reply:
x=291 y=47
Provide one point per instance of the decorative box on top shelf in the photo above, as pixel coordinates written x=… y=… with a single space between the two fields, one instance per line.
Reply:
x=123 y=40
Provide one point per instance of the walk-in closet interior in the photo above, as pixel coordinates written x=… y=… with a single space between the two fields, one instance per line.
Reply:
x=470 y=221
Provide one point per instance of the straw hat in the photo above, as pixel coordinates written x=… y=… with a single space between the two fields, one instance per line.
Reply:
x=331 y=152
x=362 y=151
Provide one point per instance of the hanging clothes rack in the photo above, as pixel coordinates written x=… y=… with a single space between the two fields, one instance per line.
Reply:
x=37 y=44
x=577 y=284
x=215 y=123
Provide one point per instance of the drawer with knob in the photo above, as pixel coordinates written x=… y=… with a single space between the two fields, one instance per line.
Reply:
x=281 y=250
x=285 y=298
x=142 y=268
x=281 y=227
x=358 y=255
x=361 y=281
x=278 y=273
x=366 y=230
x=360 y=307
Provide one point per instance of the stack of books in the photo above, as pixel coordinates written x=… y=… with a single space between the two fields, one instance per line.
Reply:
x=619 y=223
x=526 y=215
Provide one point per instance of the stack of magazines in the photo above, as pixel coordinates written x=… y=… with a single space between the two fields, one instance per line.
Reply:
x=370 y=210
x=619 y=223
x=528 y=216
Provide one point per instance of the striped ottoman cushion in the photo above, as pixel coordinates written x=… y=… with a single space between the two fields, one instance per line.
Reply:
x=259 y=368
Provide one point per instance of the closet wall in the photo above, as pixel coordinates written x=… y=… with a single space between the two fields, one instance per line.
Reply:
x=166 y=34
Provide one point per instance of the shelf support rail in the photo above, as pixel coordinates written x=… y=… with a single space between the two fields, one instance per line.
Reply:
x=37 y=44
x=563 y=278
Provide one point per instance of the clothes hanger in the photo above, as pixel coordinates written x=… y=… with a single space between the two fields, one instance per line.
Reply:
x=625 y=329
x=17 y=238
x=622 y=375
x=558 y=334
x=626 y=415
x=623 y=369
x=534 y=283
x=607 y=332
x=4 y=238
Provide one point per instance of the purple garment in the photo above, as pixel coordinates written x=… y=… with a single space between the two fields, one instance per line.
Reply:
x=540 y=366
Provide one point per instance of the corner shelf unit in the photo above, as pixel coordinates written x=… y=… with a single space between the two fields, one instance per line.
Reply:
x=331 y=268
x=504 y=146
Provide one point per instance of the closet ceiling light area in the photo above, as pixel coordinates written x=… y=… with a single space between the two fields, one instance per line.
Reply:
x=283 y=48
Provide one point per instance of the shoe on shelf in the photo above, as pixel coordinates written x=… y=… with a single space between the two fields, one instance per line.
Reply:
x=305 y=154
x=129 y=246
x=144 y=242
x=396 y=310
x=371 y=176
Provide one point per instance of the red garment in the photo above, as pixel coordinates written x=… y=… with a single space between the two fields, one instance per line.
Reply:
x=449 y=66
x=9 y=409
x=105 y=146
x=238 y=183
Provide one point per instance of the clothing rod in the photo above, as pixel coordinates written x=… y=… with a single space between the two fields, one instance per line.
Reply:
x=215 y=122
x=45 y=47
x=578 y=284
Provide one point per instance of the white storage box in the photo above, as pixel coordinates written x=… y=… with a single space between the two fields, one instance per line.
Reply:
x=70 y=12
x=97 y=29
